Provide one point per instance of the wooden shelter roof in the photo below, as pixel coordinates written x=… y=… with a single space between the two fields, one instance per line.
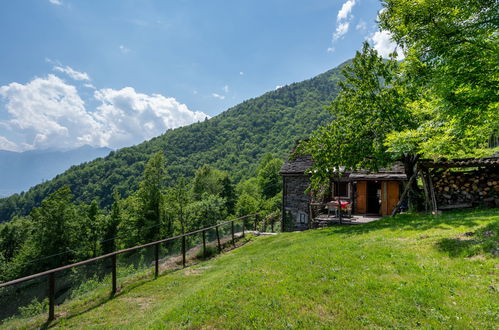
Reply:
x=460 y=162
x=300 y=165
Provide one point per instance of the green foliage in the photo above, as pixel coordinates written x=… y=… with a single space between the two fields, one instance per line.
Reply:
x=150 y=198
x=210 y=251
x=247 y=204
x=250 y=187
x=206 y=212
x=35 y=308
x=110 y=227
x=177 y=199
x=369 y=106
x=54 y=231
x=269 y=178
x=452 y=54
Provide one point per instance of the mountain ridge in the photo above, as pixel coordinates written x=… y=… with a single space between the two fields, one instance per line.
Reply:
x=233 y=141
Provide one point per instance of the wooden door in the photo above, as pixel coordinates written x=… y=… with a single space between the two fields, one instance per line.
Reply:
x=389 y=196
x=393 y=195
x=361 y=197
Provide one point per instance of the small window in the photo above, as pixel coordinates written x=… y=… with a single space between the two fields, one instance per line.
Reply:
x=342 y=190
x=303 y=218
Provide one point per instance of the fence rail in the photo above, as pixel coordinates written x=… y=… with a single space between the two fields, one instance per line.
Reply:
x=51 y=283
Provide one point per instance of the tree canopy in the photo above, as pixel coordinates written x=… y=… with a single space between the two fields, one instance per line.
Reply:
x=441 y=101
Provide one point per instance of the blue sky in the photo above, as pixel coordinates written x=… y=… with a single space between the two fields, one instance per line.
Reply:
x=116 y=72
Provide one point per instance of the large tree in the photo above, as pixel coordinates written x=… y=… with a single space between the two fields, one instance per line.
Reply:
x=452 y=49
x=371 y=105
x=441 y=101
x=150 y=198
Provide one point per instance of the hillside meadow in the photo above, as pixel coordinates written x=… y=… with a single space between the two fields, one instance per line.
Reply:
x=407 y=271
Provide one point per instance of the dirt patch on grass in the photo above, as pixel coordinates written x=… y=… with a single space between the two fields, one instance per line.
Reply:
x=142 y=303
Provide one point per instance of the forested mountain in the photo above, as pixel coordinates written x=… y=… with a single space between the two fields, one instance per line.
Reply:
x=232 y=141
x=20 y=171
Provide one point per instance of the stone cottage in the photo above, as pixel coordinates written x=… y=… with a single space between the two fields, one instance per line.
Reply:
x=368 y=193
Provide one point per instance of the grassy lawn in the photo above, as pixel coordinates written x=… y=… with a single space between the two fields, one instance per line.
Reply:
x=407 y=271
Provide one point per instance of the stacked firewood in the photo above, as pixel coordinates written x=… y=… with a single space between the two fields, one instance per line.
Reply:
x=463 y=188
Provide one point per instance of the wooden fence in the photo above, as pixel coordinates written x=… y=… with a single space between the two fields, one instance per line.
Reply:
x=112 y=257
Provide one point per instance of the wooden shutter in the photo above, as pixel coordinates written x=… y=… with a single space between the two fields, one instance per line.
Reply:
x=361 y=197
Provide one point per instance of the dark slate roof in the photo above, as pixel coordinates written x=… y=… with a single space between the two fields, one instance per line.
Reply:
x=377 y=176
x=462 y=162
x=301 y=164
x=297 y=166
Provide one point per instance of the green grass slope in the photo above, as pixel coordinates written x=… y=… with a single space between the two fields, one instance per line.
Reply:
x=234 y=141
x=404 y=272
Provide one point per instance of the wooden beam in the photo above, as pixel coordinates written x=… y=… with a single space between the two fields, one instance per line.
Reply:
x=406 y=190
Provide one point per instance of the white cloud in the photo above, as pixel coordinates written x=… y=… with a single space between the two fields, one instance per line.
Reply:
x=241 y=73
x=345 y=10
x=384 y=45
x=89 y=86
x=49 y=113
x=341 y=30
x=342 y=23
x=218 y=96
x=73 y=74
x=56 y=2
x=226 y=88
x=278 y=86
x=132 y=117
x=361 y=26
x=5 y=144
x=124 y=50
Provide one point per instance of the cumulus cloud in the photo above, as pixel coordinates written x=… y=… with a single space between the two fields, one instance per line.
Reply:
x=6 y=144
x=384 y=45
x=132 y=117
x=73 y=74
x=341 y=30
x=343 y=19
x=361 y=26
x=345 y=10
x=218 y=96
x=56 y=2
x=49 y=113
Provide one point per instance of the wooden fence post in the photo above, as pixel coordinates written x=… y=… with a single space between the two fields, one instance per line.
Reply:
x=113 y=275
x=232 y=230
x=183 y=251
x=204 y=243
x=218 y=239
x=51 y=296
x=243 y=226
x=156 y=260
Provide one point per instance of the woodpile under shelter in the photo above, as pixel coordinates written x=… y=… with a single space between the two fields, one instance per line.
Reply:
x=460 y=183
x=373 y=193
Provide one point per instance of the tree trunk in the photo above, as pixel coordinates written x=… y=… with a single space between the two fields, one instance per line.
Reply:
x=415 y=194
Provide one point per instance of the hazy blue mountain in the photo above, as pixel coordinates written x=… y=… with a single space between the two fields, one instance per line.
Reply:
x=20 y=171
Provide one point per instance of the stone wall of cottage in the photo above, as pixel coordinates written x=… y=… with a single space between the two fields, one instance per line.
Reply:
x=296 y=201
x=467 y=188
